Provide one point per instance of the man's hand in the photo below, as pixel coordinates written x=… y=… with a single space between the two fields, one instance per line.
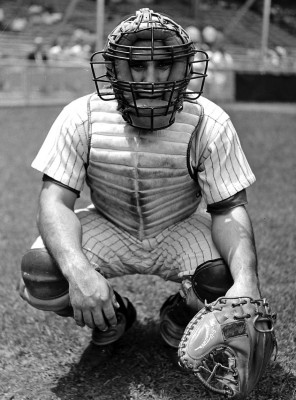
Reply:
x=93 y=300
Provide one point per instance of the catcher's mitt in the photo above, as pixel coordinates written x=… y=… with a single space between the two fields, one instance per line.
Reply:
x=228 y=344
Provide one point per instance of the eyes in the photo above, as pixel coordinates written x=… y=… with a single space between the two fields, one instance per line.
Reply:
x=162 y=65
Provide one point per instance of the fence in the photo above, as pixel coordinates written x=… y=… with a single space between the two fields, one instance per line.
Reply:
x=25 y=83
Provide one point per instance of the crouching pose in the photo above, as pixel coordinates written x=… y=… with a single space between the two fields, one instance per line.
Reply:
x=168 y=180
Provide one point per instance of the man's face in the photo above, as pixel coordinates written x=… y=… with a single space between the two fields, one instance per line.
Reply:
x=156 y=71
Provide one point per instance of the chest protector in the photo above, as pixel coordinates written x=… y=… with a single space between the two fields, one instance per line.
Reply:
x=141 y=180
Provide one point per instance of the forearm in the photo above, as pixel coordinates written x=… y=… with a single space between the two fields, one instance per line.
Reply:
x=233 y=236
x=61 y=232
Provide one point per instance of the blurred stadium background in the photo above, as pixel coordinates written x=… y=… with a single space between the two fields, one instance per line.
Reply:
x=45 y=46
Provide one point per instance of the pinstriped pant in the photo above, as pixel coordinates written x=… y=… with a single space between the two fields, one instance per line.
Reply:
x=174 y=253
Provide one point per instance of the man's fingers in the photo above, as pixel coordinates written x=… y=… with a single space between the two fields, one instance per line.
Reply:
x=78 y=317
x=88 y=319
x=114 y=301
x=99 y=320
x=98 y=309
x=110 y=315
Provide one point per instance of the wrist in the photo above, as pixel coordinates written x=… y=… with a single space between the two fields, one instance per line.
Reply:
x=247 y=277
x=74 y=266
x=248 y=284
x=244 y=270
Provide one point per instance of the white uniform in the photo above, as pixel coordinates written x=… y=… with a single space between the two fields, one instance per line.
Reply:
x=175 y=242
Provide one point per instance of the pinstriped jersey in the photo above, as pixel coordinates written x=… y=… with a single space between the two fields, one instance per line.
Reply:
x=222 y=167
x=216 y=153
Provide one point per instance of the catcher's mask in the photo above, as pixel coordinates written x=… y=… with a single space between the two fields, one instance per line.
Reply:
x=148 y=37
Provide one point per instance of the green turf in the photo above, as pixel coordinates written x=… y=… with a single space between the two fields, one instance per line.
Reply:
x=40 y=352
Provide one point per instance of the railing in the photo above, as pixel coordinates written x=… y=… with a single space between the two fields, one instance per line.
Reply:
x=24 y=83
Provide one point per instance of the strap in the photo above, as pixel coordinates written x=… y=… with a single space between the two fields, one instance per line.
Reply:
x=89 y=131
x=194 y=143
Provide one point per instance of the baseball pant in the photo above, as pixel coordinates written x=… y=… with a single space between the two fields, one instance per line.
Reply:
x=172 y=255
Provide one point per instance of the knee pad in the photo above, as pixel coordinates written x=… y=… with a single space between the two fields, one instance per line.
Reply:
x=42 y=276
x=211 y=280
x=43 y=285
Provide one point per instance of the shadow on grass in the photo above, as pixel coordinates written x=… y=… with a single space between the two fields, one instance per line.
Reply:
x=142 y=368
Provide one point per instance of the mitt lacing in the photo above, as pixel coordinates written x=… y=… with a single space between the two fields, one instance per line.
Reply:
x=269 y=318
x=266 y=316
x=191 y=326
x=241 y=316
x=227 y=391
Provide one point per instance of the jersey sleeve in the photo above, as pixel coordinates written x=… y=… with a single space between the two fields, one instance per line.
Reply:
x=63 y=154
x=223 y=168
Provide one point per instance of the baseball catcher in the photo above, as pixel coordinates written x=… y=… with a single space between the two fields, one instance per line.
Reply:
x=168 y=179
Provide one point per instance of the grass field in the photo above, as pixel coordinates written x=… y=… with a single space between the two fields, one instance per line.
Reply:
x=40 y=352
